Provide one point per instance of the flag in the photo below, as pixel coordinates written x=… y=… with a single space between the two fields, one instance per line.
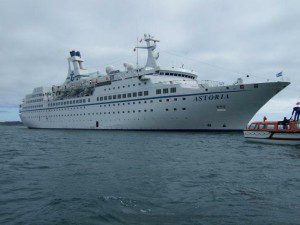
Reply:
x=279 y=74
x=141 y=40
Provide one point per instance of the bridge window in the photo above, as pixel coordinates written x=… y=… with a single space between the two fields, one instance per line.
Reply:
x=173 y=89
x=165 y=90
x=158 y=91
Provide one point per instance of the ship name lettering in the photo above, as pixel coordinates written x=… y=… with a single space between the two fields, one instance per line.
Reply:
x=211 y=97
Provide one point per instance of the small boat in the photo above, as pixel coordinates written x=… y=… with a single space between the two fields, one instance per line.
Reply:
x=274 y=132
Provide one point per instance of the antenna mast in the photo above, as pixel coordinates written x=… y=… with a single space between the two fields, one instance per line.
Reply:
x=137 y=53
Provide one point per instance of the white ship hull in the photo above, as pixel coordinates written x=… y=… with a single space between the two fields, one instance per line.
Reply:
x=220 y=108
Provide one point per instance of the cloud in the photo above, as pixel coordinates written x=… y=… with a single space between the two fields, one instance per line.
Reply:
x=254 y=37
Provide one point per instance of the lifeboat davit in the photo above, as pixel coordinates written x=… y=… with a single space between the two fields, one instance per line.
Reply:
x=274 y=132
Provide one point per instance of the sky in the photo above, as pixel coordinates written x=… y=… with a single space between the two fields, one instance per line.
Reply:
x=221 y=40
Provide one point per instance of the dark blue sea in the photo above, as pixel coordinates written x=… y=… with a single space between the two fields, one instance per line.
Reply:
x=129 y=177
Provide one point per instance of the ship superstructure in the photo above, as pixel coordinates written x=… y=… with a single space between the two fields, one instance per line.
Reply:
x=147 y=98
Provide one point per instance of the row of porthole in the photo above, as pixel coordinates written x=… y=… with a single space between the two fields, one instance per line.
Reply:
x=100 y=113
x=113 y=104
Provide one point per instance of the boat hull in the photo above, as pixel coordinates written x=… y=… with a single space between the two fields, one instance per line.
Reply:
x=283 y=138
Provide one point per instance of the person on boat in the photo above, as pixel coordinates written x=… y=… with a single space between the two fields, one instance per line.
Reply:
x=296 y=110
x=285 y=122
x=265 y=118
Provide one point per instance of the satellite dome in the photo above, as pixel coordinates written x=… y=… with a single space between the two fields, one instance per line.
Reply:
x=109 y=69
x=128 y=66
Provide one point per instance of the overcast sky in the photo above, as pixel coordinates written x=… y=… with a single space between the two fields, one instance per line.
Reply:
x=221 y=40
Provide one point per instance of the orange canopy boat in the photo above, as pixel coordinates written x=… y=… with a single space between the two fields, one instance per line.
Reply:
x=275 y=132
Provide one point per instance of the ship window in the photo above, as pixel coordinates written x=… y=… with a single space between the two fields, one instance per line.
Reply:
x=89 y=100
x=114 y=96
x=158 y=91
x=101 y=98
x=255 y=85
x=161 y=73
x=167 y=109
x=160 y=100
x=146 y=93
x=167 y=73
x=183 y=108
x=173 y=90
x=165 y=90
x=262 y=126
x=140 y=93
x=97 y=98
x=123 y=95
x=128 y=95
x=253 y=126
x=167 y=100
x=83 y=101
x=105 y=97
x=282 y=127
x=183 y=98
x=119 y=96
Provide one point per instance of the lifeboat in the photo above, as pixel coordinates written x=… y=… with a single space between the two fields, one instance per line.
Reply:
x=274 y=132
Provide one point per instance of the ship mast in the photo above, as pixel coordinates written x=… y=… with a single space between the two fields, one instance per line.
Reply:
x=151 y=46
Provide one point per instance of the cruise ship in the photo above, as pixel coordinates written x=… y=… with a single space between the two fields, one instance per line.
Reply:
x=144 y=98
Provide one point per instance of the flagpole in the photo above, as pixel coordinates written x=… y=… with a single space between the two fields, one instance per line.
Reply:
x=137 y=53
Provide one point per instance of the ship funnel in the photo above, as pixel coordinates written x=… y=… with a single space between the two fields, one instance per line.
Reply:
x=75 y=53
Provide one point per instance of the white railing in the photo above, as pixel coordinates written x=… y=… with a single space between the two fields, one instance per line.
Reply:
x=211 y=83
